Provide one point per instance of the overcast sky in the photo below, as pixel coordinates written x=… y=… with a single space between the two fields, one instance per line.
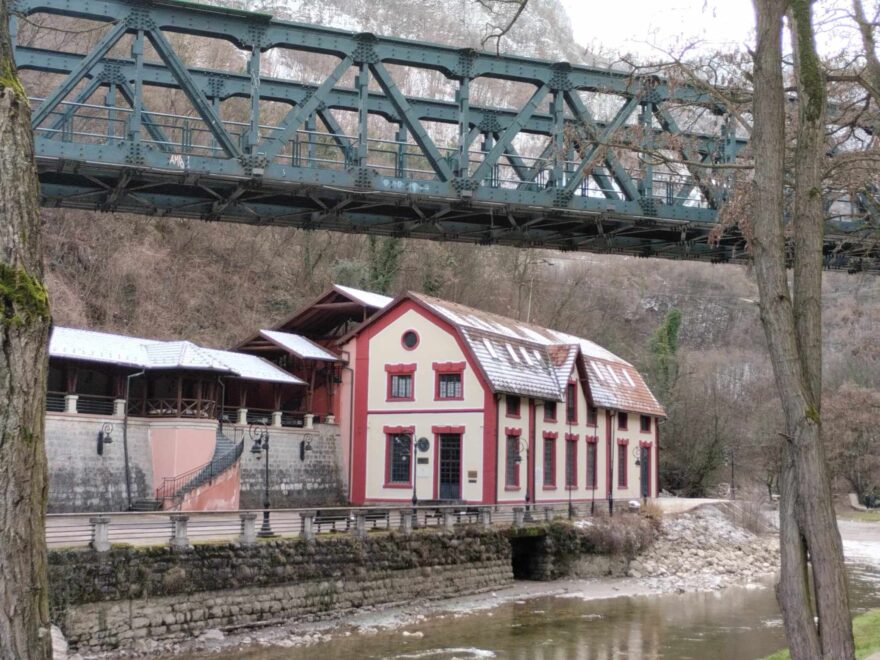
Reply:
x=636 y=26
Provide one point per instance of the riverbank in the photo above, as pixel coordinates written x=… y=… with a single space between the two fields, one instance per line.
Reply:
x=682 y=560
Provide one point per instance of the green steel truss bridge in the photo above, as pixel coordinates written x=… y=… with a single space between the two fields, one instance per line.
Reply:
x=391 y=137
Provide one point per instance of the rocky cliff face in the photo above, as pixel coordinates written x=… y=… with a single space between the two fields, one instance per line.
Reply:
x=543 y=30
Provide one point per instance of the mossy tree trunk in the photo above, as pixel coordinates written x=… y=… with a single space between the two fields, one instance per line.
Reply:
x=24 y=325
x=792 y=320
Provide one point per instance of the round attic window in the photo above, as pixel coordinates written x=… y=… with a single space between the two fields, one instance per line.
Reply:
x=410 y=339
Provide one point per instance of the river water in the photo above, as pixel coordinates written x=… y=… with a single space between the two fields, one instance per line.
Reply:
x=737 y=623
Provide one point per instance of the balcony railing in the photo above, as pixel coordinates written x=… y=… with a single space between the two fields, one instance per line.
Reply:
x=172 y=407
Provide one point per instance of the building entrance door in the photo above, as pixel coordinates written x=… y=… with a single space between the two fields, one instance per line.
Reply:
x=645 y=464
x=450 y=467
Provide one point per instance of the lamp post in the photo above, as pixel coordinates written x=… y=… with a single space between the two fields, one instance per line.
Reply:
x=524 y=447
x=260 y=435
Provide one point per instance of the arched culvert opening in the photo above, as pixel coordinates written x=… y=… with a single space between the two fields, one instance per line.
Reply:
x=527 y=556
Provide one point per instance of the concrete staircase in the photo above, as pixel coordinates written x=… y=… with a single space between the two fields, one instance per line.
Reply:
x=226 y=455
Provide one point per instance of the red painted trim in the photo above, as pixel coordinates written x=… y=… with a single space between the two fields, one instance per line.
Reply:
x=511 y=485
x=401 y=374
x=550 y=484
x=622 y=467
x=622 y=421
x=592 y=439
x=447 y=429
x=438 y=374
x=645 y=443
x=380 y=321
x=592 y=417
x=388 y=430
x=460 y=433
x=650 y=424
x=623 y=441
x=409 y=368
x=609 y=472
x=358 y=488
x=648 y=471
x=438 y=411
x=571 y=441
x=509 y=430
x=507 y=413
x=449 y=367
x=571 y=389
x=398 y=430
x=413 y=347
x=657 y=461
x=547 y=418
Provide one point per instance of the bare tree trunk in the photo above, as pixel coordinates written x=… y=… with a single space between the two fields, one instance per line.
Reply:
x=24 y=324
x=793 y=330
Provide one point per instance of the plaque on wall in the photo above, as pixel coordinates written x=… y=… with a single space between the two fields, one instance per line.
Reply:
x=472 y=476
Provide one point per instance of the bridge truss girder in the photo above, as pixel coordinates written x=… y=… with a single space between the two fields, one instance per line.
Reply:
x=594 y=187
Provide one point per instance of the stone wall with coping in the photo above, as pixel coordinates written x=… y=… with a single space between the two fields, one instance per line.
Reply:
x=107 y=601
x=81 y=480
x=319 y=480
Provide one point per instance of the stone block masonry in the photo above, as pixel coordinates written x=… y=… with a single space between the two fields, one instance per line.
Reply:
x=318 y=480
x=107 y=601
x=80 y=479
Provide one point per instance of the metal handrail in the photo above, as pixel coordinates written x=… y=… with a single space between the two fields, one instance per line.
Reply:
x=174 y=488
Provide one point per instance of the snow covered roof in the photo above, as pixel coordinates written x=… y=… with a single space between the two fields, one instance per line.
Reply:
x=109 y=348
x=367 y=298
x=299 y=345
x=529 y=360
x=253 y=367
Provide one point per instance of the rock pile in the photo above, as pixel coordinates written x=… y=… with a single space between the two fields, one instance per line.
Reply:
x=702 y=550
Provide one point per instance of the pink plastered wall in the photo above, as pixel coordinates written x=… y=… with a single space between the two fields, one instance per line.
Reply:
x=220 y=495
x=180 y=448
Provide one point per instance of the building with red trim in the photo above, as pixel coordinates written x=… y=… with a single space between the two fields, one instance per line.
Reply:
x=442 y=402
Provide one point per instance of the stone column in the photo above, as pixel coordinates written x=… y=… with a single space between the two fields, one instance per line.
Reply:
x=248 y=534
x=448 y=520
x=518 y=516
x=330 y=419
x=308 y=421
x=308 y=525
x=360 y=525
x=242 y=417
x=276 y=418
x=100 y=533
x=486 y=517
x=406 y=522
x=70 y=403
x=179 y=538
x=119 y=407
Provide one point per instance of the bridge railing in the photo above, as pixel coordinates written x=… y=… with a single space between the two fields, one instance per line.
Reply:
x=186 y=135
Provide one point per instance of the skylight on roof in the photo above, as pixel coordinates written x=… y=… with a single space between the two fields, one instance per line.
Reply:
x=512 y=353
x=490 y=348
x=525 y=354
x=627 y=376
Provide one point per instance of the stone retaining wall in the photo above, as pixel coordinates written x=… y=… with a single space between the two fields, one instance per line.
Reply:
x=106 y=601
x=80 y=479
x=318 y=480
